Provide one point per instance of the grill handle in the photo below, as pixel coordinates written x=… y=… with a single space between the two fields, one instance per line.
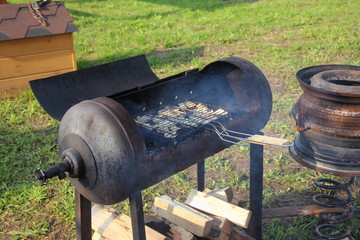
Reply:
x=235 y=137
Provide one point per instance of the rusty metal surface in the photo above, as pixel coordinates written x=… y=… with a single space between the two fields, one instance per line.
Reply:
x=299 y=211
x=328 y=118
x=337 y=81
x=250 y=88
x=304 y=76
x=116 y=146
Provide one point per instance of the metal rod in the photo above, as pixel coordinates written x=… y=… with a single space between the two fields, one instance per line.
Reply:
x=256 y=189
x=201 y=175
x=294 y=211
x=82 y=217
x=235 y=137
x=137 y=216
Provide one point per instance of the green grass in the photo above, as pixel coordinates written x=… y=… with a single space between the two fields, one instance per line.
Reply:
x=279 y=36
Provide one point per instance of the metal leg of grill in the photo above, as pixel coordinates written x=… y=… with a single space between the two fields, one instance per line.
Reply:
x=201 y=175
x=137 y=216
x=83 y=217
x=256 y=189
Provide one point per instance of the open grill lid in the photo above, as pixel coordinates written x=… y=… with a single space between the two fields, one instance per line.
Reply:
x=58 y=93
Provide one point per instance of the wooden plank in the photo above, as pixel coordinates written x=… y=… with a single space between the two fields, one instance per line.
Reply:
x=214 y=206
x=36 y=45
x=97 y=236
x=182 y=215
x=221 y=229
x=14 y=86
x=180 y=233
x=34 y=64
x=225 y=193
x=113 y=225
x=299 y=211
x=103 y=221
x=239 y=234
x=265 y=140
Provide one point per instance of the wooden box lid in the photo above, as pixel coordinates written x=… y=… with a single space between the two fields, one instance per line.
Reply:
x=17 y=21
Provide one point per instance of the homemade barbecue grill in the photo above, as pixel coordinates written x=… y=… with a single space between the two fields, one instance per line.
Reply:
x=115 y=144
x=122 y=129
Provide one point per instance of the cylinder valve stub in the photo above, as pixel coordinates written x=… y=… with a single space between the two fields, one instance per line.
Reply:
x=72 y=164
x=77 y=162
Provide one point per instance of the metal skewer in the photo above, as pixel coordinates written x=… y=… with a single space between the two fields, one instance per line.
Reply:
x=235 y=137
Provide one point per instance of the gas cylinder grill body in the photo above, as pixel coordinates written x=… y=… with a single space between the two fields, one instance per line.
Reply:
x=122 y=129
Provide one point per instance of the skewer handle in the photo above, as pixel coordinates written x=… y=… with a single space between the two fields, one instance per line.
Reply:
x=268 y=140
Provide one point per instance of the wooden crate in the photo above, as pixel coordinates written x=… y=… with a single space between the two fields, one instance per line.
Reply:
x=22 y=60
x=30 y=50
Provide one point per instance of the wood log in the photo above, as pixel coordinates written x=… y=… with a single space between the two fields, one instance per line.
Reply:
x=239 y=234
x=97 y=236
x=225 y=193
x=183 y=216
x=159 y=224
x=221 y=229
x=179 y=233
x=214 y=206
x=113 y=225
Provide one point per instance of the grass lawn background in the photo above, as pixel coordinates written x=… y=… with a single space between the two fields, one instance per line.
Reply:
x=279 y=36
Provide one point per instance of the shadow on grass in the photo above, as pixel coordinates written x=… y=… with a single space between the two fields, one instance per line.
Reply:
x=174 y=57
x=182 y=4
x=156 y=59
x=76 y=14
x=200 y=4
